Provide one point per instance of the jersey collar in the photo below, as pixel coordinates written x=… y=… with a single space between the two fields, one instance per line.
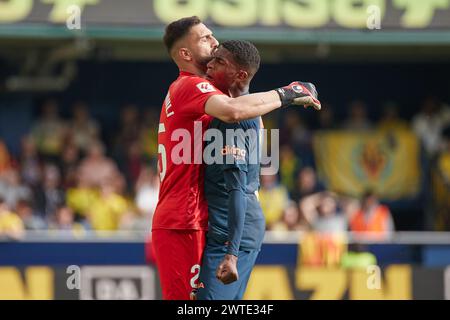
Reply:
x=185 y=73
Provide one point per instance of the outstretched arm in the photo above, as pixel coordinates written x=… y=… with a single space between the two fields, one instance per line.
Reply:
x=257 y=104
x=245 y=107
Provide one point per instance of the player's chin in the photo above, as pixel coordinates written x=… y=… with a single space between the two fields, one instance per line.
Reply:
x=211 y=79
x=205 y=60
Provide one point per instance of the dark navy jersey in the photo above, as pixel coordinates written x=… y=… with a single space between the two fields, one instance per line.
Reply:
x=236 y=158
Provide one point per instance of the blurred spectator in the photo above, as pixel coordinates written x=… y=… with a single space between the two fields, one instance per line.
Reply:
x=119 y=184
x=68 y=165
x=147 y=192
x=289 y=163
x=130 y=131
x=390 y=120
x=357 y=120
x=130 y=125
x=273 y=198
x=49 y=131
x=30 y=220
x=83 y=130
x=441 y=186
x=64 y=220
x=108 y=209
x=133 y=163
x=81 y=198
x=429 y=123
x=30 y=163
x=5 y=160
x=291 y=220
x=372 y=218
x=12 y=189
x=149 y=133
x=321 y=212
x=443 y=162
x=11 y=226
x=326 y=118
x=133 y=220
x=50 y=197
x=307 y=184
x=96 y=168
x=295 y=132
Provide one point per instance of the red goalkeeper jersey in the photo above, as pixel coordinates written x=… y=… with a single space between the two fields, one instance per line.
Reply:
x=183 y=121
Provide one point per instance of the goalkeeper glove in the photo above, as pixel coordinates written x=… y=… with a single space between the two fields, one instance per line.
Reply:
x=299 y=93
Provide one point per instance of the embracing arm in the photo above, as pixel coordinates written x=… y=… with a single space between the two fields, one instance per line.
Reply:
x=245 y=107
x=257 y=104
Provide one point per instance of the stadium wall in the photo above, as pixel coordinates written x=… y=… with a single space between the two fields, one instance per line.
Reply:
x=118 y=270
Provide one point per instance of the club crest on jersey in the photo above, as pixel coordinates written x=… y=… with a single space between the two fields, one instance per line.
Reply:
x=205 y=87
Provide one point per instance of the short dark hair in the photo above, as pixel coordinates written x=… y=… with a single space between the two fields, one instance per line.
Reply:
x=178 y=29
x=244 y=53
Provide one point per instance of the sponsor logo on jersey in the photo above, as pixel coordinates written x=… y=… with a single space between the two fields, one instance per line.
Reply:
x=237 y=153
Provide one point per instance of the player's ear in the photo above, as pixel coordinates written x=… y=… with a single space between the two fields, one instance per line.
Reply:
x=185 y=54
x=242 y=75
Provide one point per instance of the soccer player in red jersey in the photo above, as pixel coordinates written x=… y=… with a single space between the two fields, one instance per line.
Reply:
x=180 y=221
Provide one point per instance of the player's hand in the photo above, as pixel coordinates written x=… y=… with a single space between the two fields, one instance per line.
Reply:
x=311 y=98
x=227 y=271
x=300 y=93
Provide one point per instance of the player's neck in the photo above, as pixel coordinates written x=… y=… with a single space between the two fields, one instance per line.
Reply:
x=193 y=69
x=237 y=91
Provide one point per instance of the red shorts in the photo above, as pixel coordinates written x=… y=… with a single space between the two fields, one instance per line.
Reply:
x=178 y=255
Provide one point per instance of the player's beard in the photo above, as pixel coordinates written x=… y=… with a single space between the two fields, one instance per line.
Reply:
x=202 y=62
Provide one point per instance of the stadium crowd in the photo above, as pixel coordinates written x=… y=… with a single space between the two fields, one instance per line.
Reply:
x=71 y=174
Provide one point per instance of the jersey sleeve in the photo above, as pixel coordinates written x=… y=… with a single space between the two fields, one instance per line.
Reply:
x=235 y=181
x=195 y=93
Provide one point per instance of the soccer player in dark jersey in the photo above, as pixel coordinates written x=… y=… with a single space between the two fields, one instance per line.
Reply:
x=236 y=221
x=180 y=221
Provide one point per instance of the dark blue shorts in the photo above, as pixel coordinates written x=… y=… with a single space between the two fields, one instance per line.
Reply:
x=212 y=288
